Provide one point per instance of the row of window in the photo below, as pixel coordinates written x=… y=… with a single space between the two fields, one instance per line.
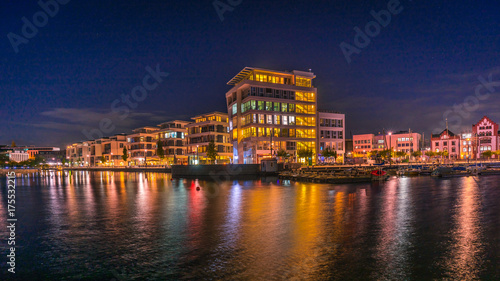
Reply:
x=332 y=134
x=270 y=79
x=333 y=146
x=211 y=118
x=404 y=144
x=362 y=141
x=274 y=106
x=274 y=93
x=267 y=92
x=363 y=147
x=174 y=135
x=275 y=120
x=142 y=139
x=336 y=123
x=445 y=143
x=275 y=132
x=485 y=148
x=485 y=128
x=453 y=150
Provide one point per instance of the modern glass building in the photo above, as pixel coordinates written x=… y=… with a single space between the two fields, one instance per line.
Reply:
x=270 y=111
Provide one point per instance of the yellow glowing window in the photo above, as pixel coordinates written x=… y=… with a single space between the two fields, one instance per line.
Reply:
x=303 y=82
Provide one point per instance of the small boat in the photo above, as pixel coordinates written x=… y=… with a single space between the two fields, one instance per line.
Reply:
x=450 y=172
x=379 y=175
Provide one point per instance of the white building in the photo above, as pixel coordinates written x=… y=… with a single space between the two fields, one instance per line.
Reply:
x=19 y=156
x=331 y=133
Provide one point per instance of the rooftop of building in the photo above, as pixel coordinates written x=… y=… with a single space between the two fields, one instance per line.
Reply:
x=209 y=114
x=174 y=122
x=329 y=111
x=247 y=70
x=450 y=133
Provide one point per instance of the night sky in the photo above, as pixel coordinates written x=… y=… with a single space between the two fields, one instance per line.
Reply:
x=64 y=79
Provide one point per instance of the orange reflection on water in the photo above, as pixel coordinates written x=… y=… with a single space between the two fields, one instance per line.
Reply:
x=465 y=258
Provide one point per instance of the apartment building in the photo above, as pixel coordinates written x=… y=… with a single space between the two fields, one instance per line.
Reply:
x=271 y=110
x=111 y=148
x=173 y=136
x=486 y=136
x=446 y=141
x=78 y=154
x=331 y=132
x=205 y=129
x=362 y=144
x=407 y=142
x=141 y=146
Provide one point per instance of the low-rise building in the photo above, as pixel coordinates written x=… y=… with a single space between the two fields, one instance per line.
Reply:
x=141 y=145
x=78 y=154
x=487 y=135
x=207 y=128
x=331 y=132
x=402 y=141
x=112 y=150
x=362 y=144
x=18 y=155
x=407 y=142
x=173 y=135
x=446 y=141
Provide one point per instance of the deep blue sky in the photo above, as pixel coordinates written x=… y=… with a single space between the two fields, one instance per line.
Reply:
x=65 y=78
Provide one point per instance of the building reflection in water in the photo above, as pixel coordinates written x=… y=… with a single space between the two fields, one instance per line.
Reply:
x=253 y=230
x=464 y=260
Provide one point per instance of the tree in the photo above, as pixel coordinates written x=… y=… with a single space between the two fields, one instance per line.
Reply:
x=78 y=160
x=159 y=149
x=487 y=154
x=212 y=151
x=3 y=158
x=386 y=154
x=125 y=154
x=400 y=154
x=416 y=154
x=13 y=144
x=497 y=153
x=430 y=153
x=304 y=153
x=103 y=159
x=282 y=153
x=328 y=152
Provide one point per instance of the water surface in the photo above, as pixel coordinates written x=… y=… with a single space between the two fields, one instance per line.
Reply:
x=145 y=226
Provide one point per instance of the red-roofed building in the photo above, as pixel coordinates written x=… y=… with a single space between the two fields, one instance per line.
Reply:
x=487 y=132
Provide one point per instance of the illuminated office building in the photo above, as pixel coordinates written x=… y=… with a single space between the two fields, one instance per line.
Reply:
x=270 y=111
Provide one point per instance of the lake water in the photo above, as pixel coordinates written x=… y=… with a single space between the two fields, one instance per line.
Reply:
x=145 y=226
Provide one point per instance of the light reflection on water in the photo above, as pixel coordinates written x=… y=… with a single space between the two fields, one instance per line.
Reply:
x=82 y=225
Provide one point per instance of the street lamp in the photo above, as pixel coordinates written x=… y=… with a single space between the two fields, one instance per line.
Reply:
x=88 y=161
x=145 y=157
x=112 y=161
x=197 y=159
